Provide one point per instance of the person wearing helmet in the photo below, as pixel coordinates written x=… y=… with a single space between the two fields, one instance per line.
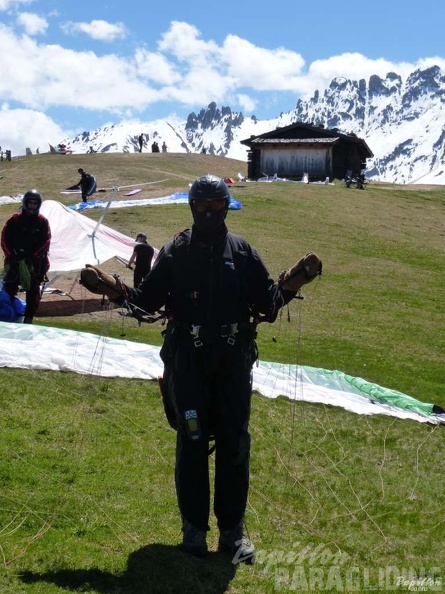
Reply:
x=215 y=289
x=25 y=241
x=141 y=257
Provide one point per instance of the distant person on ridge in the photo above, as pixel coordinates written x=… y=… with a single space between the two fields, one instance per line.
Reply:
x=142 y=256
x=141 y=142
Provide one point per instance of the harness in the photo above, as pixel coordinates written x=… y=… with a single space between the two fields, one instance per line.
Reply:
x=200 y=333
x=231 y=259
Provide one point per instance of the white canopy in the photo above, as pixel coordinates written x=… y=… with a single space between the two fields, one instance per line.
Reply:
x=77 y=240
x=28 y=346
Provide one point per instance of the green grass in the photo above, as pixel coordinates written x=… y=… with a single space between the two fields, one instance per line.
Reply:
x=87 y=499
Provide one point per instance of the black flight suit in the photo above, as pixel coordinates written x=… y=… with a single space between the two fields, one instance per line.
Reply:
x=26 y=238
x=211 y=292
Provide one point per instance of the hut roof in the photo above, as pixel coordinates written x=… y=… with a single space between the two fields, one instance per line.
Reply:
x=311 y=134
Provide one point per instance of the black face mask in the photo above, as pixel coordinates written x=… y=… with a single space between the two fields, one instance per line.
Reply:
x=210 y=222
x=30 y=212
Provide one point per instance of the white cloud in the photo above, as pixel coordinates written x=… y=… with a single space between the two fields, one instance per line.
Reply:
x=201 y=85
x=7 y=4
x=32 y=23
x=184 y=69
x=49 y=75
x=246 y=103
x=259 y=68
x=155 y=67
x=204 y=77
x=182 y=41
x=22 y=128
x=99 y=30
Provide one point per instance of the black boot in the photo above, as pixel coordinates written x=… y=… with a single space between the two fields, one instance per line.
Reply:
x=27 y=320
x=193 y=540
x=238 y=544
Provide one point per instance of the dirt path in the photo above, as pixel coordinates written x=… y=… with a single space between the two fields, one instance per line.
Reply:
x=71 y=299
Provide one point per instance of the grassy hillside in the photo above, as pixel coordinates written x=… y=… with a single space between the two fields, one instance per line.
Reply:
x=338 y=502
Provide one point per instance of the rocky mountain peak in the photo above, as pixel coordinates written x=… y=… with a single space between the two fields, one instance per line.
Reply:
x=402 y=121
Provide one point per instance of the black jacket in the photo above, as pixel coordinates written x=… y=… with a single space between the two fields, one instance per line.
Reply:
x=26 y=237
x=210 y=285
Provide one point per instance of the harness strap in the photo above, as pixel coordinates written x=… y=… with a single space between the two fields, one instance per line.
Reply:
x=200 y=333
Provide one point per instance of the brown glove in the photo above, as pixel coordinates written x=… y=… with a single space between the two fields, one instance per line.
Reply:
x=99 y=282
x=301 y=273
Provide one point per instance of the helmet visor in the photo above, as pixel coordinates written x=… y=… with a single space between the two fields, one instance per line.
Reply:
x=216 y=205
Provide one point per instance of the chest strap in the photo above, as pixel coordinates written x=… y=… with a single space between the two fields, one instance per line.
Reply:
x=228 y=331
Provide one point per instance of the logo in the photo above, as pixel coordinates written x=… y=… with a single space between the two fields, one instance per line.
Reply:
x=239 y=557
x=318 y=568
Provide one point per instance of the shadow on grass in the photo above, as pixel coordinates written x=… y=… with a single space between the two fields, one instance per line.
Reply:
x=154 y=569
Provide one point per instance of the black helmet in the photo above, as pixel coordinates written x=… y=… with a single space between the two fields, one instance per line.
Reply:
x=209 y=199
x=209 y=187
x=142 y=237
x=31 y=195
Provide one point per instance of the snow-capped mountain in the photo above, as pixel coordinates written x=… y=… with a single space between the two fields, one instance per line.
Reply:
x=402 y=121
x=214 y=131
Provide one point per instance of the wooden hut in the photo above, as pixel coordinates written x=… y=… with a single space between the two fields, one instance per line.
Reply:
x=300 y=149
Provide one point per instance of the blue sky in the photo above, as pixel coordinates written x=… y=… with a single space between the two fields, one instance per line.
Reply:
x=74 y=65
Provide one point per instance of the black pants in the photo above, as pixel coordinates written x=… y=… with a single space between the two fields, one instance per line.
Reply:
x=215 y=380
x=139 y=275
x=11 y=283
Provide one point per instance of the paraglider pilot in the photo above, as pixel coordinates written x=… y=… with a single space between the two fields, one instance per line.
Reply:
x=214 y=286
x=25 y=241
